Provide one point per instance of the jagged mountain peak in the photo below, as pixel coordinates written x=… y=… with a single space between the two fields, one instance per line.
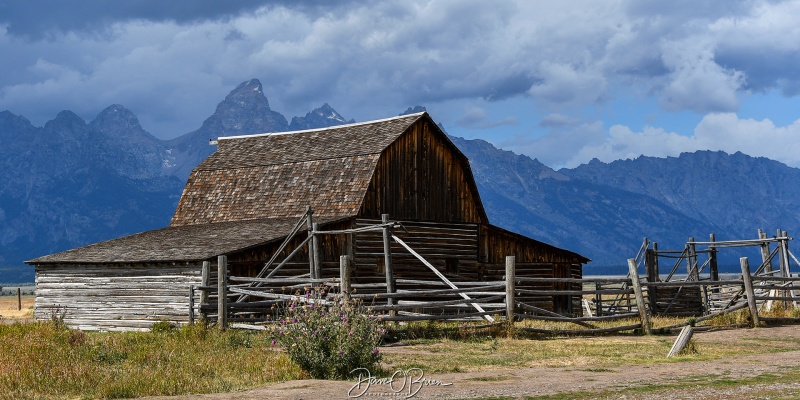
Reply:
x=245 y=110
x=11 y=123
x=65 y=118
x=116 y=119
x=67 y=125
x=321 y=117
x=413 y=110
x=248 y=92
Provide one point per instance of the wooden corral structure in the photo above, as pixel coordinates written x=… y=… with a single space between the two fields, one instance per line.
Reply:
x=244 y=202
x=697 y=261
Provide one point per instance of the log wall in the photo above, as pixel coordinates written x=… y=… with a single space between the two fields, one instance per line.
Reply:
x=116 y=298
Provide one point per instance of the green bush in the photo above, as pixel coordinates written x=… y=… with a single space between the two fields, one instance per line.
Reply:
x=328 y=339
x=163 y=327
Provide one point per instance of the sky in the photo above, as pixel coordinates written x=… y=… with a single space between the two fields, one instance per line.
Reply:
x=562 y=82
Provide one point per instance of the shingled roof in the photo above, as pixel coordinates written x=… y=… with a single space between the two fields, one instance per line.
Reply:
x=253 y=190
x=178 y=243
x=280 y=174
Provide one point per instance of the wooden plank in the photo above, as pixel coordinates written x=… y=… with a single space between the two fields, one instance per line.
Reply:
x=222 y=299
x=748 y=287
x=511 y=302
x=439 y=274
x=680 y=343
x=640 y=304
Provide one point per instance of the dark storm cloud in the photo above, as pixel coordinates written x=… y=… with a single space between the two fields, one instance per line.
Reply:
x=35 y=19
x=171 y=61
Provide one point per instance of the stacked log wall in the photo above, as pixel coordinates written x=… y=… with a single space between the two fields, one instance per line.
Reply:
x=116 y=297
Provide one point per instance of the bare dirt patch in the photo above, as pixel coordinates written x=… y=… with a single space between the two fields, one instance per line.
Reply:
x=682 y=379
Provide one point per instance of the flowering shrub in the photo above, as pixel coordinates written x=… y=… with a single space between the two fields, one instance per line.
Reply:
x=328 y=338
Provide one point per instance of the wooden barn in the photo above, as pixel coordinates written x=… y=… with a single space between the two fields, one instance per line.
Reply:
x=247 y=198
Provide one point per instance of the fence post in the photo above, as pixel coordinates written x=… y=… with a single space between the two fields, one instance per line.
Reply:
x=387 y=258
x=222 y=292
x=345 y=269
x=206 y=282
x=317 y=257
x=765 y=251
x=310 y=226
x=511 y=283
x=191 y=305
x=681 y=341
x=637 y=290
x=19 y=299
x=748 y=287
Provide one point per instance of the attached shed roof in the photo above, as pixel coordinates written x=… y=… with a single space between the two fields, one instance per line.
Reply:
x=178 y=243
x=280 y=174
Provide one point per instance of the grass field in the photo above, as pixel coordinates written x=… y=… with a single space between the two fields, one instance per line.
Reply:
x=48 y=360
x=9 y=311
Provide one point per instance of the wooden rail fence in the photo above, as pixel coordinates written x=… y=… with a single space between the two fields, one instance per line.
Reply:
x=614 y=304
x=607 y=304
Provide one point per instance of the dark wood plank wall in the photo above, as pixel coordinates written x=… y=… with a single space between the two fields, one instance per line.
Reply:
x=436 y=242
x=116 y=297
x=533 y=259
x=250 y=262
x=421 y=178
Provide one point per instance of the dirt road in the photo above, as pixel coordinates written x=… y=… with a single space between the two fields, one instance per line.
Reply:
x=538 y=381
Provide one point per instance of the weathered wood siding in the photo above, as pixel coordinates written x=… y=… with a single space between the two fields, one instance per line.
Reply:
x=436 y=242
x=249 y=262
x=676 y=301
x=422 y=177
x=115 y=298
x=533 y=259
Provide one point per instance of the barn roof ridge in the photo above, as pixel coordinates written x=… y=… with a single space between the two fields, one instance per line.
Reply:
x=335 y=127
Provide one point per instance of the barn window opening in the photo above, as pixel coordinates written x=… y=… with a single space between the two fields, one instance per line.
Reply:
x=451 y=266
x=380 y=266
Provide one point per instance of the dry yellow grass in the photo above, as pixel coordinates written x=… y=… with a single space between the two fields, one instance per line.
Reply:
x=9 y=311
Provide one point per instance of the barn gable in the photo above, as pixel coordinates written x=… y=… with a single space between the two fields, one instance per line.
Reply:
x=405 y=166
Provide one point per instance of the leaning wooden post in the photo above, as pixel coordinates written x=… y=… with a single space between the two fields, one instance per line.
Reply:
x=345 y=270
x=222 y=292
x=206 y=282
x=748 y=288
x=637 y=290
x=681 y=341
x=387 y=257
x=511 y=277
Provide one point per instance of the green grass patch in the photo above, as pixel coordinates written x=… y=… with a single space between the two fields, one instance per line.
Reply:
x=47 y=360
x=489 y=379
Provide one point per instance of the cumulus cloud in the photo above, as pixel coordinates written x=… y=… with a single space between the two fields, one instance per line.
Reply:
x=171 y=64
x=578 y=144
x=696 y=82
x=563 y=83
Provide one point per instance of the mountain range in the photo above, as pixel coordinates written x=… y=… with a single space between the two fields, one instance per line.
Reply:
x=71 y=183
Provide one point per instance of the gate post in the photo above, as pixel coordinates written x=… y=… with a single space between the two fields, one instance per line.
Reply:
x=637 y=290
x=222 y=292
x=748 y=287
x=387 y=258
x=511 y=283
